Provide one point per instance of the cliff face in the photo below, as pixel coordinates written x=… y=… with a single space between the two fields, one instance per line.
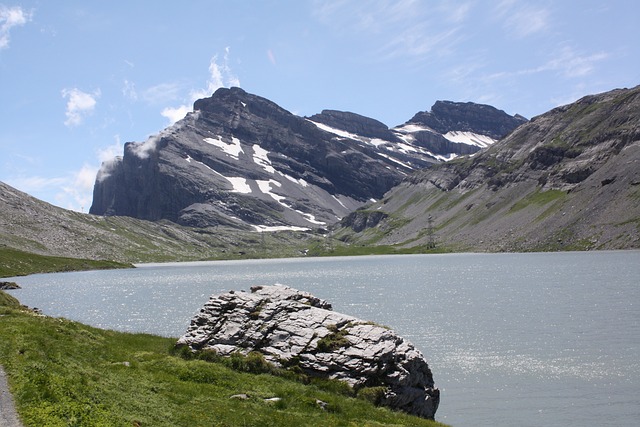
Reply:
x=568 y=179
x=241 y=160
x=294 y=328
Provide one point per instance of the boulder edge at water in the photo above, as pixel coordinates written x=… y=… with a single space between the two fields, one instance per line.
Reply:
x=294 y=328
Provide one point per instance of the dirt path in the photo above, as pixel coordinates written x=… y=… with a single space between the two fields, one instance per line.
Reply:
x=8 y=414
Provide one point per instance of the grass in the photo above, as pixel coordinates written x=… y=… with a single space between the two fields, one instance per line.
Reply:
x=14 y=262
x=64 y=373
x=537 y=198
x=356 y=250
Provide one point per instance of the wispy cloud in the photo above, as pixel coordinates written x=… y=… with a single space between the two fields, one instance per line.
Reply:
x=129 y=90
x=162 y=93
x=522 y=19
x=220 y=75
x=565 y=62
x=10 y=18
x=406 y=28
x=271 y=56
x=79 y=105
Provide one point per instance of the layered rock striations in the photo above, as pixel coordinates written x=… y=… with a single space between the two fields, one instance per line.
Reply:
x=241 y=160
x=294 y=328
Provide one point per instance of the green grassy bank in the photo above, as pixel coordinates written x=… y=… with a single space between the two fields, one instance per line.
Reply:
x=14 y=262
x=64 y=373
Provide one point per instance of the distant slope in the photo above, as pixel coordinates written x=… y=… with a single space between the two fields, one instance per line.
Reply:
x=240 y=160
x=31 y=225
x=568 y=179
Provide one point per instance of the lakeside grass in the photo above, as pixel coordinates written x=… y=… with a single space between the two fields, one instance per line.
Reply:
x=64 y=373
x=14 y=262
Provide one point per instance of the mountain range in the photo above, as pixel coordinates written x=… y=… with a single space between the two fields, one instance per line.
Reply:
x=241 y=160
x=567 y=179
x=459 y=177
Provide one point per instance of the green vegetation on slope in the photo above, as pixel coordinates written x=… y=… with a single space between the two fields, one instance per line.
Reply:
x=64 y=373
x=14 y=262
x=538 y=198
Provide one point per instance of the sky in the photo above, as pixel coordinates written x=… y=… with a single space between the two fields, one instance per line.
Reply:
x=78 y=79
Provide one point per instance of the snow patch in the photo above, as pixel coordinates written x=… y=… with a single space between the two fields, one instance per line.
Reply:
x=300 y=181
x=312 y=219
x=266 y=188
x=239 y=185
x=339 y=201
x=266 y=228
x=261 y=159
x=394 y=160
x=232 y=148
x=412 y=128
x=339 y=132
x=469 y=138
x=376 y=142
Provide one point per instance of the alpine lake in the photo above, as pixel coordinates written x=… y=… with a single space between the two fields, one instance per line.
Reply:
x=532 y=339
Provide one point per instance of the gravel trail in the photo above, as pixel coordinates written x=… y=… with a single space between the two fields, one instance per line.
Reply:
x=8 y=414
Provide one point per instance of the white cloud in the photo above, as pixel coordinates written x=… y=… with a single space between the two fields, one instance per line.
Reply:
x=79 y=105
x=405 y=28
x=566 y=62
x=77 y=190
x=522 y=20
x=175 y=114
x=35 y=184
x=129 y=90
x=73 y=191
x=162 y=93
x=220 y=75
x=108 y=153
x=10 y=18
x=572 y=64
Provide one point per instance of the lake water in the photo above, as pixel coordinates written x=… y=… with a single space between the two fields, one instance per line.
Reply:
x=548 y=339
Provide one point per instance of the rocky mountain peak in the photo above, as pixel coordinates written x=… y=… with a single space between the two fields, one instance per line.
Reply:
x=354 y=123
x=448 y=116
x=242 y=160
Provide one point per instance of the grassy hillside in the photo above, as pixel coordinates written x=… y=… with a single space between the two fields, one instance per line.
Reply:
x=14 y=262
x=64 y=373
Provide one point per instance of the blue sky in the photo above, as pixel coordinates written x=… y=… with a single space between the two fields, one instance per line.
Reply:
x=78 y=79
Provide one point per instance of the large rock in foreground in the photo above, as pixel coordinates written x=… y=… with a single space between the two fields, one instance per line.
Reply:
x=290 y=327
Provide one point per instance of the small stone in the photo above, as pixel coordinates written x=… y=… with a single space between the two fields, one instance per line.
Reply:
x=241 y=396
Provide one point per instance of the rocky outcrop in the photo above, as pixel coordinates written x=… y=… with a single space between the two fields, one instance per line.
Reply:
x=8 y=286
x=294 y=328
